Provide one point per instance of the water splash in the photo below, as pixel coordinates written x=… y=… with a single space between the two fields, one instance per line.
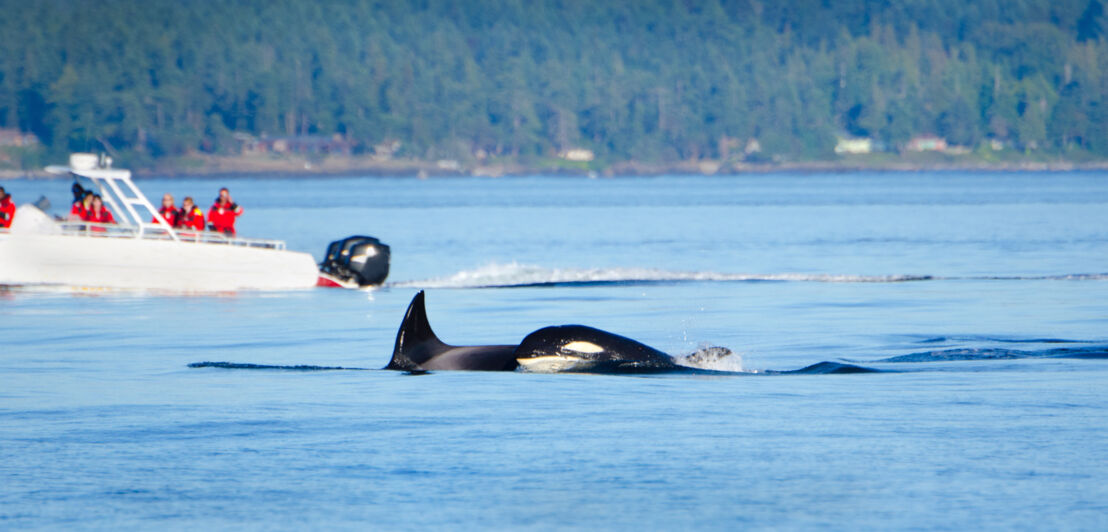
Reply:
x=714 y=358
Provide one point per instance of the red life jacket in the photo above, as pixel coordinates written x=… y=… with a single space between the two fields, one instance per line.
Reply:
x=105 y=216
x=7 y=211
x=221 y=217
x=171 y=215
x=78 y=211
x=193 y=219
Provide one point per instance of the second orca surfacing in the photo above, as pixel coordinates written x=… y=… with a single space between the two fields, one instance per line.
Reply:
x=566 y=348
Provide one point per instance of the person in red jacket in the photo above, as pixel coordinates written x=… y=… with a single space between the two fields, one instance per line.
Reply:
x=168 y=211
x=99 y=213
x=191 y=217
x=7 y=209
x=221 y=217
x=81 y=207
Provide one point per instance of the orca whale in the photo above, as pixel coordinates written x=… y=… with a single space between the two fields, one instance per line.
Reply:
x=562 y=348
x=577 y=348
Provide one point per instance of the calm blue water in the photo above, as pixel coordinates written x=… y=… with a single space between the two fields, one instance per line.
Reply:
x=982 y=296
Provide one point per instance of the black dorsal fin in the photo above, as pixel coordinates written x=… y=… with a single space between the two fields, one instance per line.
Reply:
x=416 y=343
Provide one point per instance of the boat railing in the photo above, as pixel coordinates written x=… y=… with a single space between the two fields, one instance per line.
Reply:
x=157 y=232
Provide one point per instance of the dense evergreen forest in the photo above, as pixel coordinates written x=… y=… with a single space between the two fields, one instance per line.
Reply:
x=644 y=80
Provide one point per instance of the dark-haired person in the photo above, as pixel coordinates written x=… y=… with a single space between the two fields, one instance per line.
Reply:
x=7 y=209
x=191 y=217
x=98 y=213
x=222 y=215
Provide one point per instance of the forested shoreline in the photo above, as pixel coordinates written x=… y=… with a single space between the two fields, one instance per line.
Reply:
x=652 y=81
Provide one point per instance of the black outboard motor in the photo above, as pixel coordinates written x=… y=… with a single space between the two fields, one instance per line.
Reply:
x=357 y=259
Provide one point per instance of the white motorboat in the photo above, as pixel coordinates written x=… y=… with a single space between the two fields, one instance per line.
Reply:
x=136 y=253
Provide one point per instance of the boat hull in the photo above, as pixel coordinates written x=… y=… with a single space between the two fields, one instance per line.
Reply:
x=133 y=263
x=329 y=281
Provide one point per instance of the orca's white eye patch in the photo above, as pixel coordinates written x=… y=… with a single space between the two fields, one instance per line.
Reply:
x=583 y=347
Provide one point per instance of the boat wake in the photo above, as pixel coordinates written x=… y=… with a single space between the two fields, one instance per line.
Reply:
x=981 y=354
x=515 y=275
x=1063 y=277
x=242 y=365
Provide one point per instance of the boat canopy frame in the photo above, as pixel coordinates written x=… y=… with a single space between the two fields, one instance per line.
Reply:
x=121 y=194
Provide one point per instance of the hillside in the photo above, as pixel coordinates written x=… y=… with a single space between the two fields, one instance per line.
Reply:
x=649 y=81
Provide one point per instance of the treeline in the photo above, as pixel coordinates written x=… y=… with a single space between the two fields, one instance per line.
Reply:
x=647 y=80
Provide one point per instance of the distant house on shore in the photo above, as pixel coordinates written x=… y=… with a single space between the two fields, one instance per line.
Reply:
x=17 y=138
x=298 y=144
x=385 y=150
x=732 y=146
x=580 y=155
x=854 y=146
x=957 y=150
x=923 y=143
